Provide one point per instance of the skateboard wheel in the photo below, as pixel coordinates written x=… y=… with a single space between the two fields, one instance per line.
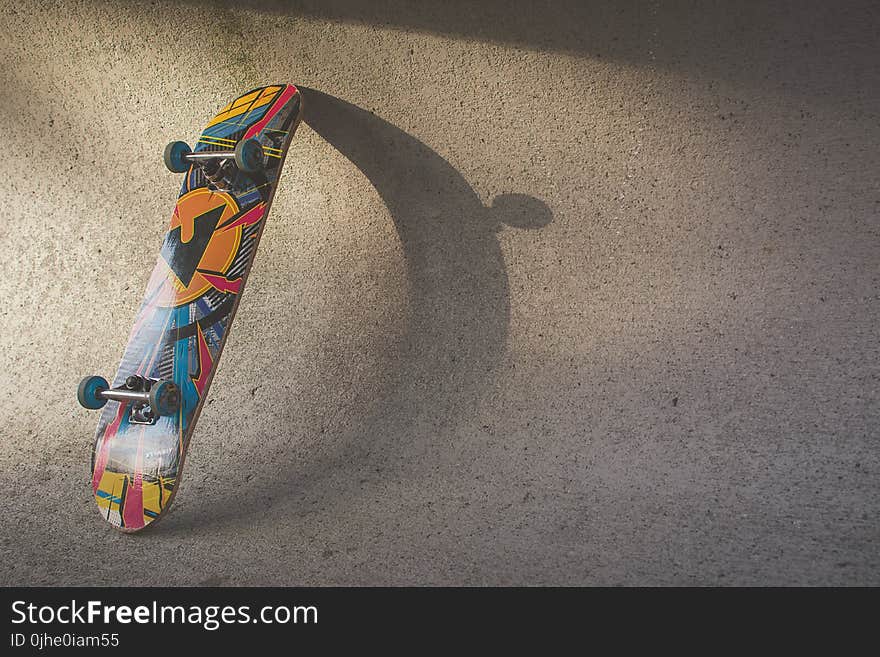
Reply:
x=175 y=156
x=164 y=398
x=87 y=393
x=249 y=156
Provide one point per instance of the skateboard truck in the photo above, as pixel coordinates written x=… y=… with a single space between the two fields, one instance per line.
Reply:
x=149 y=399
x=218 y=166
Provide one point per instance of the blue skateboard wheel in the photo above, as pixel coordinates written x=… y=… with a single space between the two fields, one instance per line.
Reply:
x=175 y=156
x=87 y=393
x=164 y=398
x=249 y=156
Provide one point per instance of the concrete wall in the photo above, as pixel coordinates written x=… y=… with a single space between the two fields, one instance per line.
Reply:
x=584 y=294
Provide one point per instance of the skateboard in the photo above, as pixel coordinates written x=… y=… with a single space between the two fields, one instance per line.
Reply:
x=149 y=412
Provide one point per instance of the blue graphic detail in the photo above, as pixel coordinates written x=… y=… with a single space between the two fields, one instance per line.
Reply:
x=185 y=364
x=237 y=123
x=108 y=496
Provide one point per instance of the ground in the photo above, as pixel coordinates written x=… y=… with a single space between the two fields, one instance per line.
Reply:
x=577 y=294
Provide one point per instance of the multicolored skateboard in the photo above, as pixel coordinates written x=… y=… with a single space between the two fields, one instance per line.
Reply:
x=150 y=410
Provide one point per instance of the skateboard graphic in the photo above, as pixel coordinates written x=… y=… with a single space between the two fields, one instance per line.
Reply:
x=150 y=410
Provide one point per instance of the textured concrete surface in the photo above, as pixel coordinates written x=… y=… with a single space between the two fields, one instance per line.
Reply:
x=581 y=294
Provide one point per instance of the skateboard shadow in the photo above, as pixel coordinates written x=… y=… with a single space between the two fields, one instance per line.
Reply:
x=457 y=313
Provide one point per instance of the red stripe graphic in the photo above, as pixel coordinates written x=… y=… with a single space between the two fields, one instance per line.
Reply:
x=205 y=363
x=257 y=127
x=223 y=284
x=104 y=454
x=252 y=216
x=133 y=511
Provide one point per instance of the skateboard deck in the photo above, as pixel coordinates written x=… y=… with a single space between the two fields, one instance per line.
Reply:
x=190 y=302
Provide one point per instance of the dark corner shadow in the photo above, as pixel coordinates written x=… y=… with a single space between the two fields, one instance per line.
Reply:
x=771 y=45
x=457 y=310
